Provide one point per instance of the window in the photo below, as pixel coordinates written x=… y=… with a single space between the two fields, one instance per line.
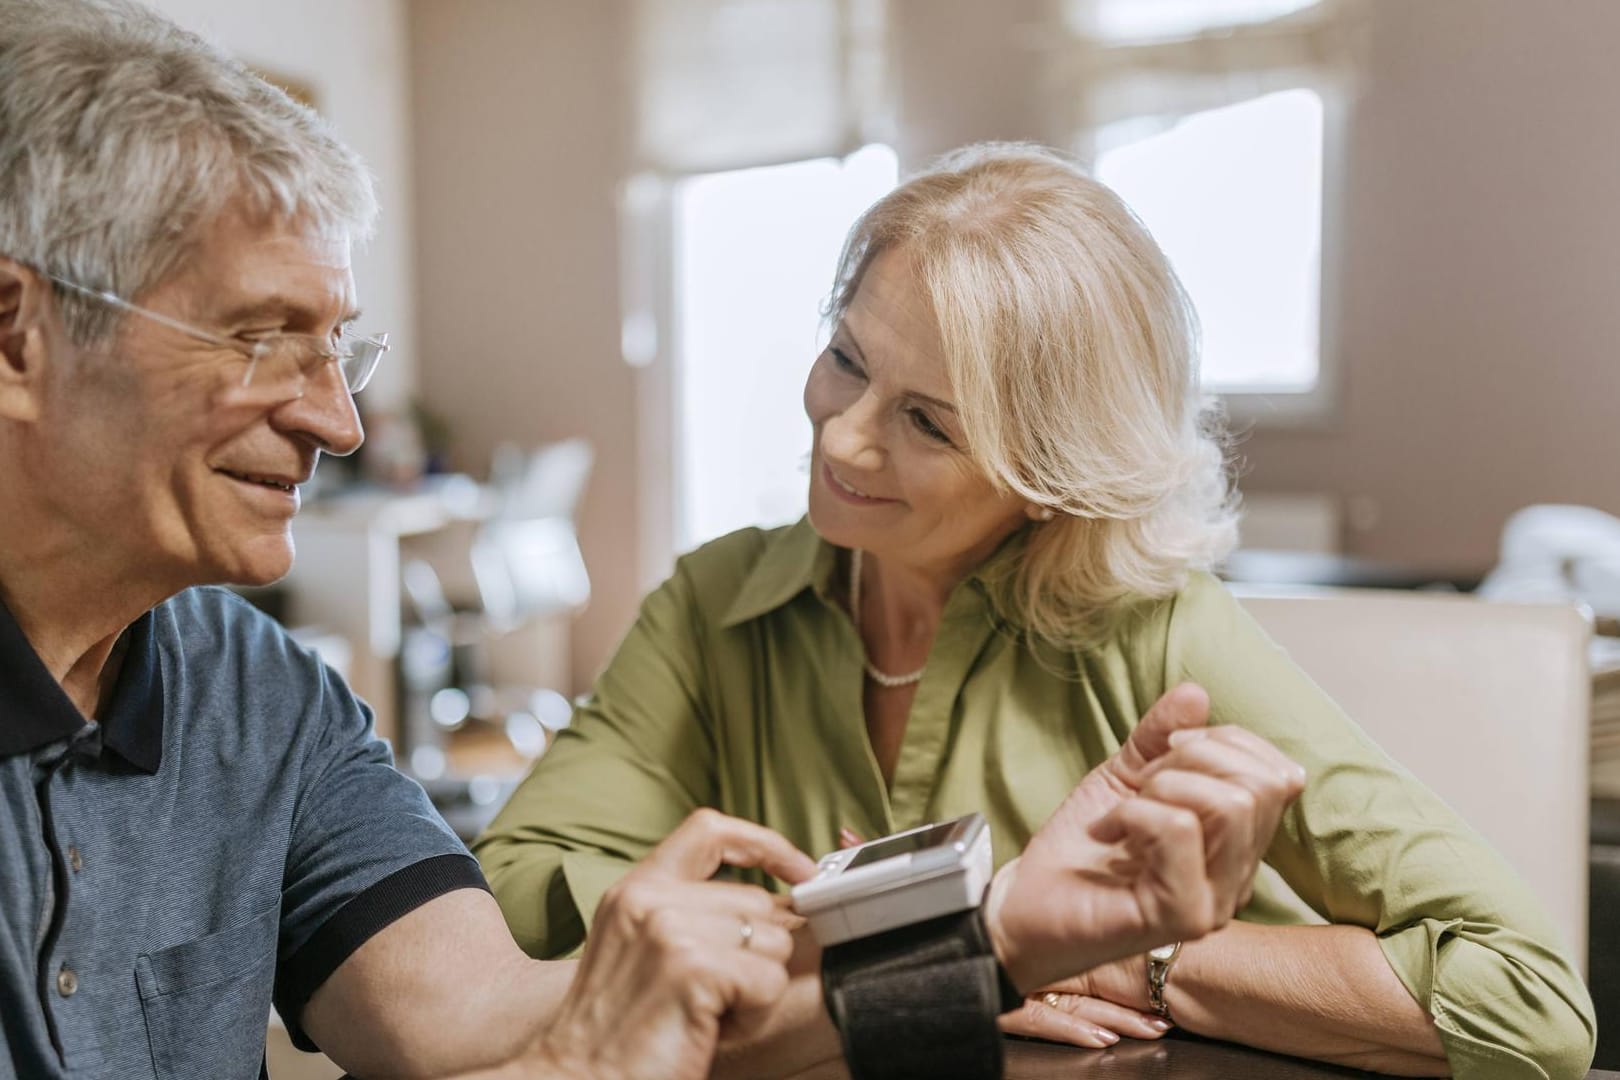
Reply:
x=753 y=253
x=1234 y=196
x=1157 y=20
x=1221 y=123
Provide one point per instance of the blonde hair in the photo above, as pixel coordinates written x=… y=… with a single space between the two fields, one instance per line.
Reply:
x=1072 y=350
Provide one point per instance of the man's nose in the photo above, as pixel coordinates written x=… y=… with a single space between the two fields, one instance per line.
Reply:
x=324 y=413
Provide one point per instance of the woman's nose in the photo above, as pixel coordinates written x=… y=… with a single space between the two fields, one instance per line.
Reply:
x=850 y=437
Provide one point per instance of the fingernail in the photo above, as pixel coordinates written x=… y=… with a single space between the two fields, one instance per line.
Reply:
x=848 y=837
x=788 y=920
x=1182 y=735
x=1159 y=1025
x=1106 y=1036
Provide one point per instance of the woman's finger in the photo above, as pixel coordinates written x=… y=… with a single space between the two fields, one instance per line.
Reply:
x=1236 y=761
x=1181 y=708
x=1162 y=857
x=1286 y=769
x=1228 y=813
x=1108 y=1015
x=1040 y=1020
x=1253 y=761
x=1219 y=756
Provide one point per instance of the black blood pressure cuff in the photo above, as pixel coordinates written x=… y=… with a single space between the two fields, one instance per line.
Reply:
x=920 y=1002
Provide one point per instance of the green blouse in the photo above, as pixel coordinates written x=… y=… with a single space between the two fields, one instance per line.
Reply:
x=739 y=687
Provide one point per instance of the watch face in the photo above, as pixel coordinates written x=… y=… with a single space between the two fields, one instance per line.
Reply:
x=1163 y=952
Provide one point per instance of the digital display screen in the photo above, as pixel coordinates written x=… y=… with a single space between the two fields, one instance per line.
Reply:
x=903 y=844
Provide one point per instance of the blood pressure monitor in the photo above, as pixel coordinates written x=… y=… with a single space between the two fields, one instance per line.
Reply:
x=908 y=973
x=897 y=880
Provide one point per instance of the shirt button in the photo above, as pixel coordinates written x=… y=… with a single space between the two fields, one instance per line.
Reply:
x=67 y=983
x=74 y=860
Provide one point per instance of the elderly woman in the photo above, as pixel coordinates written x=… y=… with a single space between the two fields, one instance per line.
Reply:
x=1016 y=494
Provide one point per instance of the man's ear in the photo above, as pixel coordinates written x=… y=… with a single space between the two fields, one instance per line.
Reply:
x=25 y=314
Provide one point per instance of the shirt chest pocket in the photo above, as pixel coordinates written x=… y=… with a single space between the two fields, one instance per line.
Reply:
x=207 y=1002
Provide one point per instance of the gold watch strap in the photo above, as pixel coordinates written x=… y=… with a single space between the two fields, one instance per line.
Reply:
x=1160 y=961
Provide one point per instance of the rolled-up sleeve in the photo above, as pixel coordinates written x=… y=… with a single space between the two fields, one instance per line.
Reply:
x=637 y=758
x=1369 y=845
x=366 y=848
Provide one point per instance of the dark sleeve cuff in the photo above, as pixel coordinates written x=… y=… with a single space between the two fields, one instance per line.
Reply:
x=357 y=921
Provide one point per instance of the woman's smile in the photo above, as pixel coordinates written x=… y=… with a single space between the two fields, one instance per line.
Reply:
x=849 y=492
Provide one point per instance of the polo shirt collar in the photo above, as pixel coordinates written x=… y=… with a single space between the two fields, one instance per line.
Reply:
x=797 y=558
x=35 y=711
x=134 y=717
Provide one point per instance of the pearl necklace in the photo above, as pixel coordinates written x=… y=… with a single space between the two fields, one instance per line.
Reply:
x=882 y=678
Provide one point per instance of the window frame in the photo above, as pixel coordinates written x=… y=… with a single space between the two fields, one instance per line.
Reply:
x=1321 y=405
x=650 y=333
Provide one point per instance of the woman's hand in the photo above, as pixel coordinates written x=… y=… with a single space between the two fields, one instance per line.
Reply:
x=1080 y=1011
x=1160 y=843
x=672 y=957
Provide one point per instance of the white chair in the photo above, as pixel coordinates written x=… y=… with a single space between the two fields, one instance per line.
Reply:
x=1487 y=703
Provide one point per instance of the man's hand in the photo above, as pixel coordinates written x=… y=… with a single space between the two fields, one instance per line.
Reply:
x=1160 y=843
x=671 y=954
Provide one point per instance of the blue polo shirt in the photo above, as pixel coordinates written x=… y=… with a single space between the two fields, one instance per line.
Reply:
x=227 y=834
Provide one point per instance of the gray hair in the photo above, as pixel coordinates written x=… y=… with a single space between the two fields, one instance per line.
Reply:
x=122 y=135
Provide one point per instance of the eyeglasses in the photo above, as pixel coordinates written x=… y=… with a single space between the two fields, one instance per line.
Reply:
x=279 y=360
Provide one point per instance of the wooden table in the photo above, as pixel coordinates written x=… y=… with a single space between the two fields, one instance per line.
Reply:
x=1180 y=1056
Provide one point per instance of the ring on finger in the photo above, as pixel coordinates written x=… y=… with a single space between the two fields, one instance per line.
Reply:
x=1052 y=998
x=746 y=932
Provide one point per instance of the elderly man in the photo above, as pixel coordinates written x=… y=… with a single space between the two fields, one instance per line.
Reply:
x=195 y=816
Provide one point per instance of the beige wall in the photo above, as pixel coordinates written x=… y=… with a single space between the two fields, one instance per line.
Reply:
x=1479 y=345
x=964 y=71
x=521 y=126
x=521 y=136
x=354 y=56
x=1480 y=340
x=1481 y=229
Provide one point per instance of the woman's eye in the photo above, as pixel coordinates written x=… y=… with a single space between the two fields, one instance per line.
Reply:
x=928 y=427
x=843 y=363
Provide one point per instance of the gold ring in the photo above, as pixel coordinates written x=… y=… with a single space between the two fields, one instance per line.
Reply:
x=1052 y=998
x=746 y=930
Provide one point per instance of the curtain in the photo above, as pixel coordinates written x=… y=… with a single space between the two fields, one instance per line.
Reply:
x=725 y=84
x=1148 y=60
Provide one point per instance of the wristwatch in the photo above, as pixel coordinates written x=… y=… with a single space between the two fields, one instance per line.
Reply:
x=1160 y=961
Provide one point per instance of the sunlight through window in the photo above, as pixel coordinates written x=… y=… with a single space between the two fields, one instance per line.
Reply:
x=1234 y=196
x=754 y=254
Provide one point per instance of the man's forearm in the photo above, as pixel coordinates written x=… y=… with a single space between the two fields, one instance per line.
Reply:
x=489 y=1028
x=509 y=1020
